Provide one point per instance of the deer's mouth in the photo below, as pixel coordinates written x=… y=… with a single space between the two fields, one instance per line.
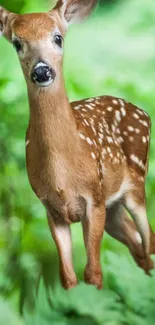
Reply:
x=42 y=75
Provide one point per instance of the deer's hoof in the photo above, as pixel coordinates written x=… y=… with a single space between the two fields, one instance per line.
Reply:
x=69 y=283
x=93 y=277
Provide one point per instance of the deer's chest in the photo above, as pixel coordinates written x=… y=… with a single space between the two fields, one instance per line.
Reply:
x=57 y=187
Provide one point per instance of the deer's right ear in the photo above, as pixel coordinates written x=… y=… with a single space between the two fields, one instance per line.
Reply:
x=5 y=23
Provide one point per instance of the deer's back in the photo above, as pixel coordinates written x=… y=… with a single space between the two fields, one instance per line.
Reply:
x=116 y=131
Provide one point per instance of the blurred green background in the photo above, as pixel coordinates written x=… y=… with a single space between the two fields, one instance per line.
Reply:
x=113 y=53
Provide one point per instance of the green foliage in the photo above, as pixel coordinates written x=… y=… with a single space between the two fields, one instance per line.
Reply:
x=130 y=300
x=7 y=315
x=76 y=306
x=111 y=53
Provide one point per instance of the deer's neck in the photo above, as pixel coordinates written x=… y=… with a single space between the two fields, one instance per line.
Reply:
x=52 y=123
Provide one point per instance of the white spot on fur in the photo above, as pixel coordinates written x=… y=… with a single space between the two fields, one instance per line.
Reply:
x=93 y=129
x=138 y=237
x=110 y=139
x=123 y=111
x=86 y=122
x=27 y=142
x=89 y=106
x=109 y=108
x=91 y=121
x=89 y=140
x=118 y=116
x=100 y=140
x=130 y=128
x=77 y=107
x=120 y=140
x=95 y=143
x=93 y=155
x=108 y=149
x=101 y=135
x=136 y=116
x=89 y=100
x=115 y=102
x=104 y=151
x=140 y=112
x=118 y=131
x=143 y=122
x=144 y=139
x=131 y=139
x=137 y=161
x=118 y=154
x=82 y=136
x=122 y=102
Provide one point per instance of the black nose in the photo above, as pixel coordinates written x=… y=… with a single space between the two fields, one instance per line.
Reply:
x=42 y=73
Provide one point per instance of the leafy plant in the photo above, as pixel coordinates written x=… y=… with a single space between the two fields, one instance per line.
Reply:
x=129 y=299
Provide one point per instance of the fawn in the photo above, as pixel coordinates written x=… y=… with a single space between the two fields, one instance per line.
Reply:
x=87 y=160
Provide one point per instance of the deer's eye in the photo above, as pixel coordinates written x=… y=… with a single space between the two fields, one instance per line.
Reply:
x=58 y=40
x=17 y=45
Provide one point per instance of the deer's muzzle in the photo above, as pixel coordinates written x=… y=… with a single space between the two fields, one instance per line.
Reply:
x=42 y=74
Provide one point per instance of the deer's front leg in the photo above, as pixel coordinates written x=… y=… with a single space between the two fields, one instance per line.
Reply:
x=62 y=236
x=93 y=228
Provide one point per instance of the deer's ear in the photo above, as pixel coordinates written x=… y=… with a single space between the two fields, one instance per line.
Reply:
x=75 y=10
x=5 y=23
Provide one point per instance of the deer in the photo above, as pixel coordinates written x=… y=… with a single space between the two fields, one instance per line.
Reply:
x=87 y=161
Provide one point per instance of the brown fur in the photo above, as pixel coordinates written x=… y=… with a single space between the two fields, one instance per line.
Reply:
x=27 y=31
x=81 y=163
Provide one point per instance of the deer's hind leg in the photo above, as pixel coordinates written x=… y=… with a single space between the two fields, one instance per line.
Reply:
x=152 y=242
x=121 y=227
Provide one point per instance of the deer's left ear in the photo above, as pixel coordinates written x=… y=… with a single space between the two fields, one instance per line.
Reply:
x=5 y=23
x=75 y=10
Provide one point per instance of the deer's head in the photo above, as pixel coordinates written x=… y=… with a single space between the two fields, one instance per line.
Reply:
x=38 y=38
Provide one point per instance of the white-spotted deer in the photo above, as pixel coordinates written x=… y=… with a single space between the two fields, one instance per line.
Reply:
x=87 y=161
